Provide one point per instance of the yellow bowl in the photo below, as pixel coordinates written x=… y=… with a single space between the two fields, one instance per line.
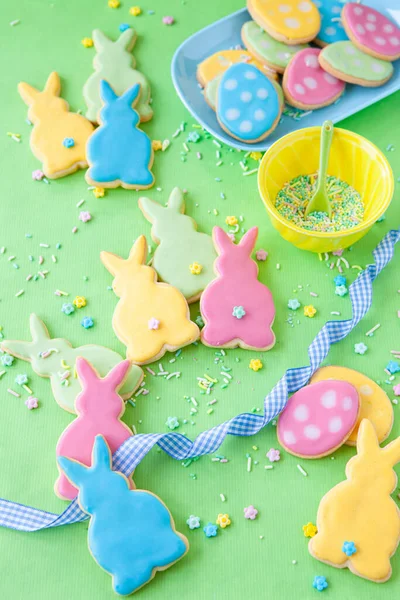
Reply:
x=353 y=159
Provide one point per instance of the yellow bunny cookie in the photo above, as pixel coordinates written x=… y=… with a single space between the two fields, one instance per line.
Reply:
x=58 y=136
x=151 y=317
x=358 y=522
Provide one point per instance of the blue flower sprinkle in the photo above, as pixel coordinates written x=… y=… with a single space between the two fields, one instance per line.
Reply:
x=349 y=548
x=293 y=304
x=7 y=360
x=393 y=367
x=68 y=142
x=340 y=280
x=87 y=322
x=238 y=312
x=67 y=308
x=123 y=27
x=320 y=583
x=210 y=530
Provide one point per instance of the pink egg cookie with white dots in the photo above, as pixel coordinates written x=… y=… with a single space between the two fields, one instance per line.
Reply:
x=371 y=31
x=319 y=418
x=305 y=83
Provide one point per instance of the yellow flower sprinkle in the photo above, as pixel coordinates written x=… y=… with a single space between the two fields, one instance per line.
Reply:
x=98 y=192
x=157 y=145
x=309 y=311
x=223 y=521
x=309 y=530
x=113 y=3
x=255 y=364
x=87 y=42
x=135 y=11
x=195 y=268
x=79 y=301
x=231 y=221
x=255 y=155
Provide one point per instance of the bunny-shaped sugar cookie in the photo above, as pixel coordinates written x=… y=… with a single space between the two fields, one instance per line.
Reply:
x=360 y=510
x=99 y=408
x=115 y=63
x=131 y=532
x=58 y=137
x=151 y=317
x=181 y=247
x=237 y=309
x=119 y=153
x=55 y=358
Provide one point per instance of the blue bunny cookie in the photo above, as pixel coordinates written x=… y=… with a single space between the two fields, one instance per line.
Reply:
x=248 y=104
x=332 y=29
x=118 y=152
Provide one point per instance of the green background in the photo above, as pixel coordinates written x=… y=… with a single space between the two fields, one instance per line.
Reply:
x=56 y=563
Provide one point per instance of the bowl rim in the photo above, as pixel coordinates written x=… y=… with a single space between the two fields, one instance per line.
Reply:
x=367 y=224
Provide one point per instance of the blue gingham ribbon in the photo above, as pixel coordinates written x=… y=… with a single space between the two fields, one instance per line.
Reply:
x=132 y=451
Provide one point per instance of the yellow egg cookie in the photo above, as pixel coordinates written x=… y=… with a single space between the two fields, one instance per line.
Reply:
x=218 y=63
x=375 y=405
x=358 y=522
x=288 y=21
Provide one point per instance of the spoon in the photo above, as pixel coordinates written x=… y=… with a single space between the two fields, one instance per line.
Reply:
x=320 y=201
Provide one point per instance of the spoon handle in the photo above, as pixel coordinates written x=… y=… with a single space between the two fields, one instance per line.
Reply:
x=326 y=141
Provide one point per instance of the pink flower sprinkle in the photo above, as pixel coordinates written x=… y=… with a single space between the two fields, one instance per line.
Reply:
x=37 y=175
x=273 y=455
x=168 y=20
x=396 y=389
x=153 y=323
x=261 y=254
x=85 y=216
x=31 y=402
x=337 y=252
x=250 y=512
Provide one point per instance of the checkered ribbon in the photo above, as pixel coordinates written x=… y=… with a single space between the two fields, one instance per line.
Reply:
x=133 y=450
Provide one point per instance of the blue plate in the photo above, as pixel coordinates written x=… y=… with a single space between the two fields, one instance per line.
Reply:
x=225 y=34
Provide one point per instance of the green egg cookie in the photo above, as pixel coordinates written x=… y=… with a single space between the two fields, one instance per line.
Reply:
x=346 y=62
x=266 y=49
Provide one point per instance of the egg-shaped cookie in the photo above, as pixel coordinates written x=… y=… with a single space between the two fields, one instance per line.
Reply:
x=288 y=21
x=348 y=63
x=371 y=31
x=332 y=29
x=306 y=85
x=220 y=61
x=375 y=405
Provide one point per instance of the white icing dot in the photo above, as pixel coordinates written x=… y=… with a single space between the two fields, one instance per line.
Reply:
x=301 y=413
x=312 y=432
x=360 y=29
x=310 y=82
x=377 y=67
x=292 y=23
x=335 y=424
x=245 y=126
x=265 y=44
x=388 y=28
x=357 y=62
x=330 y=79
x=358 y=10
x=304 y=7
x=311 y=61
x=289 y=438
x=230 y=84
x=262 y=93
x=370 y=26
x=250 y=75
x=283 y=55
x=328 y=399
x=246 y=96
x=366 y=389
x=395 y=41
x=299 y=89
x=336 y=10
x=259 y=114
x=371 y=17
x=347 y=403
x=350 y=50
x=232 y=113
x=330 y=30
x=380 y=41
x=284 y=8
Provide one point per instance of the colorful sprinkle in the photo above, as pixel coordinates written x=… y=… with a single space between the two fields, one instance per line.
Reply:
x=261 y=254
x=250 y=512
x=310 y=530
x=37 y=175
x=123 y=27
x=98 y=192
x=156 y=145
x=31 y=402
x=231 y=221
x=68 y=142
x=168 y=20
x=223 y=520
x=360 y=348
x=238 y=312
x=193 y=522
x=310 y=311
x=87 y=322
x=273 y=455
x=7 y=360
x=210 y=530
x=79 y=301
x=172 y=423
x=135 y=11
x=255 y=364
x=293 y=304
x=320 y=583
x=85 y=216
x=340 y=280
x=349 y=548
x=153 y=323
x=67 y=308
x=341 y=290
x=22 y=379
x=195 y=268
x=87 y=42
x=393 y=367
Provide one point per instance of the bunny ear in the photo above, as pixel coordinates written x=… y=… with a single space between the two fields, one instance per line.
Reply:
x=86 y=373
x=131 y=95
x=27 y=92
x=100 y=40
x=118 y=374
x=19 y=349
x=367 y=440
x=75 y=471
x=151 y=209
x=176 y=201
x=392 y=452
x=138 y=253
x=38 y=329
x=222 y=241
x=249 y=239
x=112 y=262
x=127 y=39
x=107 y=93
x=53 y=84
x=101 y=455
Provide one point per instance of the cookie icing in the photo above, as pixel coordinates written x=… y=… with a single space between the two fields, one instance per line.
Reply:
x=248 y=105
x=131 y=532
x=286 y=20
x=220 y=61
x=375 y=404
x=119 y=153
x=306 y=82
x=266 y=48
x=52 y=124
x=372 y=31
x=361 y=510
x=347 y=59
x=99 y=409
x=115 y=64
x=211 y=91
x=237 y=287
x=180 y=245
x=55 y=358
x=331 y=31
x=144 y=299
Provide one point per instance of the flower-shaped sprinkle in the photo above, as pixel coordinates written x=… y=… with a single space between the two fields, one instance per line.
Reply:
x=273 y=455
x=360 y=348
x=7 y=360
x=195 y=268
x=193 y=522
x=135 y=11
x=31 y=402
x=67 y=308
x=21 y=379
x=210 y=530
x=231 y=221
x=293 y=304
x=250 y=512
x=393 y=367
x=123 y=27
x=98 y=192
x=309 y=311
x=87 y=42
x=113 y=3
x=255 y=155
x=261 y=254
x=238 y=312
x=310 y=530
x=87 y=322
x=68 y=142
x=85 y=216
x=255 y=364
x=79 y=301
x=172 y=422
x=341 y=290
x=223 y=520
x=320 y=583
x=340 y=280
x=153 y=323
x=168 y=20
x=37 y=175
x=193 y=137
x=396 y=389
x=349 y=548
x=156 y=145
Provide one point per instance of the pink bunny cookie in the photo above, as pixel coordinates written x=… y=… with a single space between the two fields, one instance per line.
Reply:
x=318 y=418
x=371 y=31
x=237 y=309
x=99 y=408
x=305 y=83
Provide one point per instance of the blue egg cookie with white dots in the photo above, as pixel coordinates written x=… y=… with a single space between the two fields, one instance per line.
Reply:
x=332 y=29
x=248 y=104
